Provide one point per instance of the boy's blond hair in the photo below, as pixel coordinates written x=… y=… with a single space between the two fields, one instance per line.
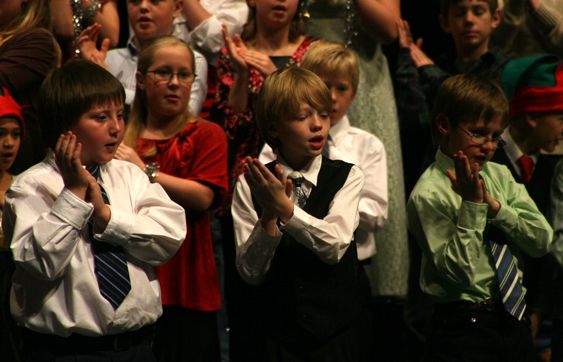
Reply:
x=326 y=58
x=281 y=96
x=466 y=98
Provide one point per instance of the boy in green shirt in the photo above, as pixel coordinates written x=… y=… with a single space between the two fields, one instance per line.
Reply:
x=470 y=217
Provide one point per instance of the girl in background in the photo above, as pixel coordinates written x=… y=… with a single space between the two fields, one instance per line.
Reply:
x=187 y=156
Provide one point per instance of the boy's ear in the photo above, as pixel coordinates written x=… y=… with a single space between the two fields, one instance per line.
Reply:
x=495 y=18
x=531 y=120
x=178 y=7
x=140 y=80
x=443 y=20
x=442 y=124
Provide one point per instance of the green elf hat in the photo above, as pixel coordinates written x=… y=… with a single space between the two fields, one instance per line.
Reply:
x=533 y=84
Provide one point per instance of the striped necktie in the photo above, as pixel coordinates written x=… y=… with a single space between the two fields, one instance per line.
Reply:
x=511 y=289
x=300 y=195
x=110 y=262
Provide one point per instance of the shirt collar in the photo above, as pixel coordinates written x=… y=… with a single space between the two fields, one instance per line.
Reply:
x=309 y=172
x=443 y=161
x=337 y=131
x=50 y=159
x=512 y=150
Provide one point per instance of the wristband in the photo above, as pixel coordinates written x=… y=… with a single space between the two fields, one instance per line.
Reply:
x=151 y=169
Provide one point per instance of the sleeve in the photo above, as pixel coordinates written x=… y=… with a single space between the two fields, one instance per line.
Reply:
x=255 y=249
x=449 y=237
x=210 y=163
x=373 y=197
x=557 y=212
x=199 y=86
x=44 y=235
x=153 y=229
x=431 y=78
x=228 y=119
x=26 y=65
x=411 y=103
x=330 y=237
x=521 y=221
x=208 y=35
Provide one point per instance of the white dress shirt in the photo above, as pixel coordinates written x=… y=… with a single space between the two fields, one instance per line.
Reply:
x=207 y=37
x=353 y=145
x=122 y=63
x=55 y=290
x=328 y=238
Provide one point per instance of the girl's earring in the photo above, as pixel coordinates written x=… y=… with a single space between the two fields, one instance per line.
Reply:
x=303 y=10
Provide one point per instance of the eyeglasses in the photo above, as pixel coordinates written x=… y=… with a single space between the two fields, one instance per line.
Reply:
x=480 y=140
x=165 y=76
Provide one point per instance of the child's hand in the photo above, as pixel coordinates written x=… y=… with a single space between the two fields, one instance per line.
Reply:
x=127 y=153
x=466 y=180
x=494 y=205
x=271 y=191
x=87 y=42
x=102 y=212
x=260 y=61
x=67 y=156
x=405 y=35
x=236 y=49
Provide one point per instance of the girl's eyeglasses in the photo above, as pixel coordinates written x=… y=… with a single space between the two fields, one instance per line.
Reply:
x=166 y=76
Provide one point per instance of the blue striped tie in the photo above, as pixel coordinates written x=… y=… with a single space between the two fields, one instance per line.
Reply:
x=511 y=289
x=110 y=263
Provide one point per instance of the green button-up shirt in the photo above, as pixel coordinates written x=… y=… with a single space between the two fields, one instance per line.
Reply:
x=456 y=261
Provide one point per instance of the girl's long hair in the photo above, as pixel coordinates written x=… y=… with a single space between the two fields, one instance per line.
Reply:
x=34 y=14
x=139 y=112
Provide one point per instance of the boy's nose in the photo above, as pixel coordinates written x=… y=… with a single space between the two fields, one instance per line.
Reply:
x=316 y=121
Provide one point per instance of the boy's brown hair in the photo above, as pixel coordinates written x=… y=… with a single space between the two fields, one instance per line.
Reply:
x=445 y=6
x=466 y=98
x=326 y=58
x=282 y=94
x=72 y=90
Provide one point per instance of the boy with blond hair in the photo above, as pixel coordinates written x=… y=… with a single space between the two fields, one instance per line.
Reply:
x=294 y=224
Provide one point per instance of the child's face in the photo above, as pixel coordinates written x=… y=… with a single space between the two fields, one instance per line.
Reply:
x=475 y=139
x=470 y=22
x=274 y=12
x=10 y=138
x=150 y=19
x=547 y=131
x=168 y=82
x=342 y=94
x=302 y=137
x=100 y=130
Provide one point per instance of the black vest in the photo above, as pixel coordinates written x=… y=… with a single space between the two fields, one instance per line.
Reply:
x=304 y=299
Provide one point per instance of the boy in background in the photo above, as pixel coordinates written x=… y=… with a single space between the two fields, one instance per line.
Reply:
x=86 y=230
x=470 y=219
x=294 y=227
x=534 y=87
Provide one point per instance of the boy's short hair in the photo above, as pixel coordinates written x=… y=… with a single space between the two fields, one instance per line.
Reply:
x=328 y=58
x=445 y=6
x=70 y=91
x=282 y=94
x=467 y=98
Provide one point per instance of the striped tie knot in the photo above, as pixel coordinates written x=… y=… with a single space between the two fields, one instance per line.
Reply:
x=300 y=196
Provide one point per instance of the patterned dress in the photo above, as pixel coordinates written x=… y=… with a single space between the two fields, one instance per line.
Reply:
x=374 y=111
x=242 y=133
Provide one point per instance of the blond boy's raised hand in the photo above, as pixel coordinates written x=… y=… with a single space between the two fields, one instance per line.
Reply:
x=271 y=191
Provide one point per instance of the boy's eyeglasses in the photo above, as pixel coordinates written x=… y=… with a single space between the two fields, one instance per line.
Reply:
x=165 y=76
x=480 y=140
